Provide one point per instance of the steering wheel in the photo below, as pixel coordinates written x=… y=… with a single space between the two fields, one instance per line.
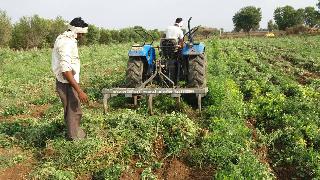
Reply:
x=191 y=32
x=139 y=30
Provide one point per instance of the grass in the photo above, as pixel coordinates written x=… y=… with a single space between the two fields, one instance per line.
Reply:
x=260 y=117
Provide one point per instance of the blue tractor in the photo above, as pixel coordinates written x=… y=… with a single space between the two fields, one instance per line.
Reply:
x=174 y=65
x=177 y=71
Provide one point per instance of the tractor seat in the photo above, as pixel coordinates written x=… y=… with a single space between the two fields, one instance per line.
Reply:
x=168 y=46
x=168 y=42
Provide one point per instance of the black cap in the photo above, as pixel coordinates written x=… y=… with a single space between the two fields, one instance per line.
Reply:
x=178 y=20
x=78 y=22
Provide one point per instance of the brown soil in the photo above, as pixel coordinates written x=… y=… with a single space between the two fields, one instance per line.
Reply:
x=159 y=147
x=132 y=173
x=37 y=111
x=286 y=173
x=202 y=173
x=261 y=151
x=251 y=125
x=232 y=35
x=17 y=171
x=95 y=105
x=85 y=177
x=176 y=169
x=192 y=113
x=172 y=169
x=304 y=78
x=10 y=152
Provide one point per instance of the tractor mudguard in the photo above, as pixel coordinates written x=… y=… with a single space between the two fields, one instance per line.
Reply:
x=146 y=51
x=194 y=49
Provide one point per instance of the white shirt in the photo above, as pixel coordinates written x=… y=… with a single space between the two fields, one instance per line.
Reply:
x=174 y=32
x=65 y=56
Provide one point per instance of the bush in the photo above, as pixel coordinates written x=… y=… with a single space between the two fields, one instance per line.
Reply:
x=13 y=110
x=30 y=32
x=32 y=133
x=179 y=133
x=224 y=99
x=56 y=27
x=105 y=36
x=5 y=29
x=246 y=167
x=297 y=29
x=134 y=131
x=93 y=35
x=47 y=171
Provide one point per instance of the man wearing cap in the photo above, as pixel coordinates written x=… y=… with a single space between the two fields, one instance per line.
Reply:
x=66 y=67
x=175 y=31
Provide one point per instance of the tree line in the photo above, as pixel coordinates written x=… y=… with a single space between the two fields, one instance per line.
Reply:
x=38 y=32
x=249 y=18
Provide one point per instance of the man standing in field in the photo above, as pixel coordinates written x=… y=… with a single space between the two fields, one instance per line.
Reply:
x=66 y=67
x=175 y=31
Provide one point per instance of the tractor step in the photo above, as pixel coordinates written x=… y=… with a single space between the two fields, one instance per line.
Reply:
x=150 y=93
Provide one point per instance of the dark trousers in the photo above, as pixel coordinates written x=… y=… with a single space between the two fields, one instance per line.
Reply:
x=72 y=109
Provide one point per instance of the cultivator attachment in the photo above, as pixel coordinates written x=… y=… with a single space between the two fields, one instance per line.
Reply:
x=152 y=92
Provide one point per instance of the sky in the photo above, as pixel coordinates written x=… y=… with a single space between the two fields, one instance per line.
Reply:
x=151 y=14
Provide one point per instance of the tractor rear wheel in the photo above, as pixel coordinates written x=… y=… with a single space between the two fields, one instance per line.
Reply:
x=134 y=72
x=197 y=71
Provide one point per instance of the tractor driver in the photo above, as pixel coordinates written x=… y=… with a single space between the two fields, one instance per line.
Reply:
x=175 y=32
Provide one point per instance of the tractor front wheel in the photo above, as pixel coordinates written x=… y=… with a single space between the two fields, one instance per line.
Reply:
x=134 y=72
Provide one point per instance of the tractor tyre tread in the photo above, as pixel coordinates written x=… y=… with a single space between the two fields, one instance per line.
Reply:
x=134 y=72
x=197 y=71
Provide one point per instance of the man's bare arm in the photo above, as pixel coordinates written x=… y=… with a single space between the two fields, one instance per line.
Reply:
x=82 y=95
x=181 y=43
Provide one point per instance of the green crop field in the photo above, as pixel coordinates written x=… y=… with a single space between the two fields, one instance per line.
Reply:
x=261 y=117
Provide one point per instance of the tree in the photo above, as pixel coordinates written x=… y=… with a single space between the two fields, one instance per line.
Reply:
x=272 y=26
x=287 y=16
x=5 y=29
x=206 y=32
x=155 y=34
x=318 y=4
x=125 y=35
x=115 y=36
x=30 y=32
x=311 y=16
x=105 y=36
x=93 y=35
x=56 y=27
x=300 y=16
x=247 y=19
